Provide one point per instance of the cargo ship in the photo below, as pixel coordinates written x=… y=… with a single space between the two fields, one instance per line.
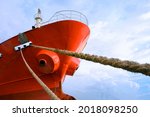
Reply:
x=67 y=30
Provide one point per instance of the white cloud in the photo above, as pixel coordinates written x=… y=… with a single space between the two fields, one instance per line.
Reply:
x=109 y=42
x=145 y=16
x=126 y=40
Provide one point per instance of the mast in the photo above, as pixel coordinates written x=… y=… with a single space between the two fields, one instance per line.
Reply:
x=38 y=19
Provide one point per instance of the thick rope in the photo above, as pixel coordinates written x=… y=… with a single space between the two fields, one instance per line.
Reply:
x=126 y=65
x=47 y=90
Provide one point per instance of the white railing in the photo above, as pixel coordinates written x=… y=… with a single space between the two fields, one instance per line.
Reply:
x=67 y=15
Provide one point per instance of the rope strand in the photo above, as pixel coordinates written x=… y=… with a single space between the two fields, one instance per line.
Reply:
x=126 y=65
x=47 y=90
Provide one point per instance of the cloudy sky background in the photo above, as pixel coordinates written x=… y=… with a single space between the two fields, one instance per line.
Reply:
x=119 y=29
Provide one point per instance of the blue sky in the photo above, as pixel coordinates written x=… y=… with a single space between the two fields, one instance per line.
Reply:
x=119 y=29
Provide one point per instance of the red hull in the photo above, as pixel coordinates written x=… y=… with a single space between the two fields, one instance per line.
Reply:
x=15 y=80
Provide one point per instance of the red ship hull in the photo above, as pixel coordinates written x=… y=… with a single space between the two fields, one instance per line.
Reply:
x=15 y=80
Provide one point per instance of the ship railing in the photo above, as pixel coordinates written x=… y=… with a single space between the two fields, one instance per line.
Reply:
x=67 y=15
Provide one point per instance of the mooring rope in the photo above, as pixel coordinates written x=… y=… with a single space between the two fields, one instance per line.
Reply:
x=47 y=90
x=114 y=62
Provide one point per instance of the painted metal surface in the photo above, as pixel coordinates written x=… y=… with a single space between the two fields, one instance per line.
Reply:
x=16 y=80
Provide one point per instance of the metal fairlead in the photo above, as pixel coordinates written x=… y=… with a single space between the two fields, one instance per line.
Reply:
x=24 y=42
x=22 y=46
